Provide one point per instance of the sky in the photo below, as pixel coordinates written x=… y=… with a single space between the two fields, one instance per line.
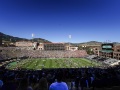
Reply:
x=55 y=20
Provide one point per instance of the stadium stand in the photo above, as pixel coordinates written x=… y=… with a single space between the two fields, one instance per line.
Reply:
x=20 y=52
x=106 y=61
x=91 y=56
x=76 y=78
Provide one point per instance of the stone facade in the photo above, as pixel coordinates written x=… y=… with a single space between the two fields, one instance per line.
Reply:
x=41 y=46
x=46 y=46
x=54 y=46
x=93 y=47
x=23 y=44
x=71 y=48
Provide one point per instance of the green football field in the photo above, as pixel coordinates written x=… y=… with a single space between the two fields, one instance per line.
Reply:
x=38 y=64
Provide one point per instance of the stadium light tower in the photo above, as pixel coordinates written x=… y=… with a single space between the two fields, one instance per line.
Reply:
x=69 y=38
x=32 y=36
x=69 y=45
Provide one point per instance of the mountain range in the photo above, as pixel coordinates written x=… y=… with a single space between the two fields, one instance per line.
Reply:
x=9 y=38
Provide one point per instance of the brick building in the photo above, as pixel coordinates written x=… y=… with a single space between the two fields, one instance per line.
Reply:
x=71 y=48
x=110 y=50
x=41 y=46
x=116 y=53
x=93 y=47
x=54 y=46
x=107 y=50
x=24 y=44
x=46 y=46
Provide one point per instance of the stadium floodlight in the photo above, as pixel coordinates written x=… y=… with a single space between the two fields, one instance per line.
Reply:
x=33 y=35
x=70 y=36
x=69 y=45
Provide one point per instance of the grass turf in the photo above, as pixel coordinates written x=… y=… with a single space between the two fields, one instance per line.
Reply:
x=38 y=64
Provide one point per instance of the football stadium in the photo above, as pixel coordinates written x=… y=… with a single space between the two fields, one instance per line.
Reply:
x=59 y=45
x=46 y=59
x=50 y=61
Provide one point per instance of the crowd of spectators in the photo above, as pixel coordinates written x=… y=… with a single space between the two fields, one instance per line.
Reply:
x=12 y=52
x=45 y=79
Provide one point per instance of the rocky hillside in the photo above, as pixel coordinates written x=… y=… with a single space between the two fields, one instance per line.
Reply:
x=8 y=38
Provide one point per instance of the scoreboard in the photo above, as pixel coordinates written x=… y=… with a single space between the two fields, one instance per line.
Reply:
x=107 y=47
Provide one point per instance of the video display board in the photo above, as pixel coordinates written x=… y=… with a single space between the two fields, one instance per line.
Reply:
x=108 y=47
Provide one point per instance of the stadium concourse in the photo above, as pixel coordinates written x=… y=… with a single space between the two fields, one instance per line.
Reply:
x=92 y=78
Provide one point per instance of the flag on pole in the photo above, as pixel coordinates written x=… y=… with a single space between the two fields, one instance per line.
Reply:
x=70 y=36
x=32 y=35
